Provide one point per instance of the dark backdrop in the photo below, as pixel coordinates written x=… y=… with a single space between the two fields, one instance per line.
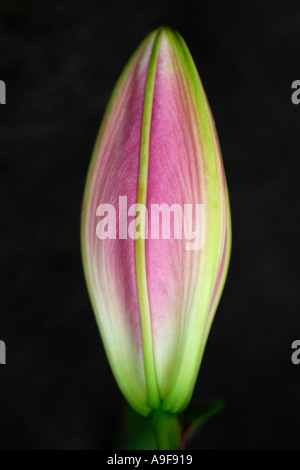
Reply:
x=60 y=61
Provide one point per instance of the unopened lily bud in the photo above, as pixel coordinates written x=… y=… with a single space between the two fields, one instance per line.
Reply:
x=156 y=231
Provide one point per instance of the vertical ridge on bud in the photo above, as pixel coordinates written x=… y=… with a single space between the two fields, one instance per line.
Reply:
x=142 y=284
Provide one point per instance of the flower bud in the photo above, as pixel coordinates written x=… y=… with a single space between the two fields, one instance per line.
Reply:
x=155 y=289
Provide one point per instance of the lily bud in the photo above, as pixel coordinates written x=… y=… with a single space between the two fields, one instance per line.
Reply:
x=155 y=297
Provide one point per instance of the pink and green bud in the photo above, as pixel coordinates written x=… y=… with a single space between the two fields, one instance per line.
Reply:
x=155 y=297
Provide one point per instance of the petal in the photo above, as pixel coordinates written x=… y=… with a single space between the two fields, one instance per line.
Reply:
x=110 y=264
x=173 y=179
x=196 y=175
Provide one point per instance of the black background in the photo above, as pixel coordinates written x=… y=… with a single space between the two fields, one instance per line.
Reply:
x=60 y=61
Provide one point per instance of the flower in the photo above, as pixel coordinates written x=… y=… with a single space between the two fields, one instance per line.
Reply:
x=155 y=299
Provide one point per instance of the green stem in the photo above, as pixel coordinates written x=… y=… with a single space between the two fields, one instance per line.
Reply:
x=166 y=430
